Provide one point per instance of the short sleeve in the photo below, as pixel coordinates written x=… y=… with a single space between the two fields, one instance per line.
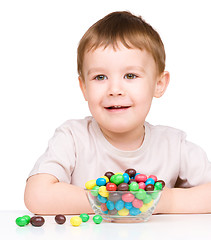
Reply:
x=195 y=168
x=59 y=158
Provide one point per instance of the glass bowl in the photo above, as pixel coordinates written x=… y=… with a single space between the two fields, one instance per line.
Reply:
x=124 y=206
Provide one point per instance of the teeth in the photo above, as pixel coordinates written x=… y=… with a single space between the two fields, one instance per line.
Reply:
x=116 y=106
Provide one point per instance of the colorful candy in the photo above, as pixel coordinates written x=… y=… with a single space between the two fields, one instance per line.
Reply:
x=76 y=221
x=125 y=194
x=37 y=221
x=97 y=219
x=84 y=217
x=60 y=219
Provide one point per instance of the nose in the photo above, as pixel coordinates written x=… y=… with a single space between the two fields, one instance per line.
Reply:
x=116 y=88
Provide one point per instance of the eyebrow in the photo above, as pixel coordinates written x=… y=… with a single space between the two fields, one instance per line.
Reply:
x=128 y=68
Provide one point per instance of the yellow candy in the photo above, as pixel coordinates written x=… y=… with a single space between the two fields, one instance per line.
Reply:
x=90 y=184
x=144 y=208
x=123 y=212
x=76 y=221
x=119 y=173
x=150 y=204
x=103 y=191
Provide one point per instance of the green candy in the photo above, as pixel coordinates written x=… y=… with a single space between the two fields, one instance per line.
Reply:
x=118 y=179
x=84 y=217
x=134 y=186
x=147 y=199
x=95 y=191
x=27 y=218
x=112 y=178
x=141 y=194
x=154 y=194
x=97 y=219
x=21 y=222
x=158 y=186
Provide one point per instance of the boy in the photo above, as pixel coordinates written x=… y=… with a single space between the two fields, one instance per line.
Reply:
x=121 y=66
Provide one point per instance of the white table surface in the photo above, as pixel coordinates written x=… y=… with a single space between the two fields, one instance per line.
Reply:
x=171 y=227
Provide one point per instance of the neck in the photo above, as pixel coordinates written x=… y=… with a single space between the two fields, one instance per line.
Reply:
x=126 y=141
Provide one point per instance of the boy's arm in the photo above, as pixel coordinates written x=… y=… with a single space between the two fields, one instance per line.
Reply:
x=185 y=200
x=44 y=194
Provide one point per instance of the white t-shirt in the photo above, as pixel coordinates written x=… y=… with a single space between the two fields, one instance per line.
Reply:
x=79 y=152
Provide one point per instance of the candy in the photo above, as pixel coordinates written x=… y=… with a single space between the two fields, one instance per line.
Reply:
x=123 y=187
x=137 y=203
x=21 y=222
x=90 y=184
x=125 y=194
x=149 y=187
x=76 y=221
x=84 y=217
x=119 y=205
x=141 y=194
x=134 y=186
x=37 y=221
x=128 y=197
x=117 y=179
x=97 y=219
x=109 y=174
x=27 y=217
x=103 y=191
x=111 y=186
x=123 y=212
x=131 y=172
x=101 y=182
x=60 y=219
x=110 y=205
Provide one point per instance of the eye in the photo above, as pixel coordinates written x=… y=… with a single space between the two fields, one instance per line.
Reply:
x=130 y=76
x=100 y=77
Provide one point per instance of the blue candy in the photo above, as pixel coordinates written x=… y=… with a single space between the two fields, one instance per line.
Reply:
x=126 y=177
x=101 y=182
x=110 y=205
x=134 y=211
x=128 y=205
x=150 y=181
x=102 y=199
x=119 y=205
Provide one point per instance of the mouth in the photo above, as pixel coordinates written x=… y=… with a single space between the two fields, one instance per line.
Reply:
x=117 y=107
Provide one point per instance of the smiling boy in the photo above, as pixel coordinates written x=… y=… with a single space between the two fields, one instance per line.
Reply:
x=121 y=66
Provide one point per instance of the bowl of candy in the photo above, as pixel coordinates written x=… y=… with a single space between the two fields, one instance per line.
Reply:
x=124 y=197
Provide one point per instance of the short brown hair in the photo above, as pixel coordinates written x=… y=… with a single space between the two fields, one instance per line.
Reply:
x=132 y=31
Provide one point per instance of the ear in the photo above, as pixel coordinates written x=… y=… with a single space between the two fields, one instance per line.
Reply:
x=161 y=84
x=82 y=86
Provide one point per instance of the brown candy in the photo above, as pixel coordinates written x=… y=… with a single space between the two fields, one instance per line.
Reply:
x=37 y=221
x=149 y=187
x=131 y=172
x=109 y=174
x=114 y=196
x=60 y=219
x=123 y=187
x=112 y=212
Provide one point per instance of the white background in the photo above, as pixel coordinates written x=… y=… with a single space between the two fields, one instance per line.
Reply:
x=38 y=79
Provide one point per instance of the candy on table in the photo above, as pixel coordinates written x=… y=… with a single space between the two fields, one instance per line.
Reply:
x=97 y=219
x=37 y=221
x=84 y=217
x=23 y=221
x=76 y=221
x=140 y=191
x=60 y=219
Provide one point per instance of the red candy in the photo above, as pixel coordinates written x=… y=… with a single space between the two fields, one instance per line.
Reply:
x=142 y=185
x=128 y=197
x=111 y=187
x=137 y=203
x=141 y=178
x=153 y=177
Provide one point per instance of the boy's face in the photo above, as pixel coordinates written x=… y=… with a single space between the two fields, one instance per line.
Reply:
x=119 y=87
